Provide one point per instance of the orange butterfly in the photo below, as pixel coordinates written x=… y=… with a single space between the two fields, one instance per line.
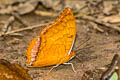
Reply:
x=55 y=43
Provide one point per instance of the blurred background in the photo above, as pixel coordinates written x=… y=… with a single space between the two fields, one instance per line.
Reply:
x=98 y=35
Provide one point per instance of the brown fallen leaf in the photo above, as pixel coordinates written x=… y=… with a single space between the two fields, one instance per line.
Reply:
x=27 y=7
x=98 y=21
x=112 y=19
x=10 y=71
x=107 y=10
x=21 y=8
x=54 y=4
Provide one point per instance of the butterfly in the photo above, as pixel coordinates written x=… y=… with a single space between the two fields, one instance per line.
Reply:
x=54 y=44
x=113 y=71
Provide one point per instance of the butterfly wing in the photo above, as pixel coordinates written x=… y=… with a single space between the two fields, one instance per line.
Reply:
x=114 y=76
x=56 y=41
x=113 y=71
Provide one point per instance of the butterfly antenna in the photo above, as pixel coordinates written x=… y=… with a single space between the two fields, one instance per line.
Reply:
x=87 y=39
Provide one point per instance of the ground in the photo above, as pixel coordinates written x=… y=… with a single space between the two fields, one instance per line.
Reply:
x=92 y=59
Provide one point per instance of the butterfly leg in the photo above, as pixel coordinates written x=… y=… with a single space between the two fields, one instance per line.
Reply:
x=53 y=68
x=71 y=65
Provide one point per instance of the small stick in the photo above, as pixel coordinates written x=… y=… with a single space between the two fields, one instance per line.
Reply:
x=18 y=18
x=46 y=13
x=22 y=29
x=85 y=17
x=7 y=25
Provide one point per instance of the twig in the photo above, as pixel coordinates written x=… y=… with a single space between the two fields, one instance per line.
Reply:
x=46 y=13
x=7 y=25
x=22 y=29
x=18 y=18
x=85 y=17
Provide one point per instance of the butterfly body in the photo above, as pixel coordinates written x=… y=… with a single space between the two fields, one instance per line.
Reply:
x=55 y=44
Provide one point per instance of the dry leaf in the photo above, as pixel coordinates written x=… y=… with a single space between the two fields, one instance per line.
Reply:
x=54 y=4
x=10 y=71
x=21 y=8
x=112 y=19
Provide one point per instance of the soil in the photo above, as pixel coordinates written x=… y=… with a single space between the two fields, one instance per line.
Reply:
x=91 y=61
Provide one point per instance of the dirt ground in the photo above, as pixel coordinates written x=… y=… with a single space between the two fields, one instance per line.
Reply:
x=94 y=55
